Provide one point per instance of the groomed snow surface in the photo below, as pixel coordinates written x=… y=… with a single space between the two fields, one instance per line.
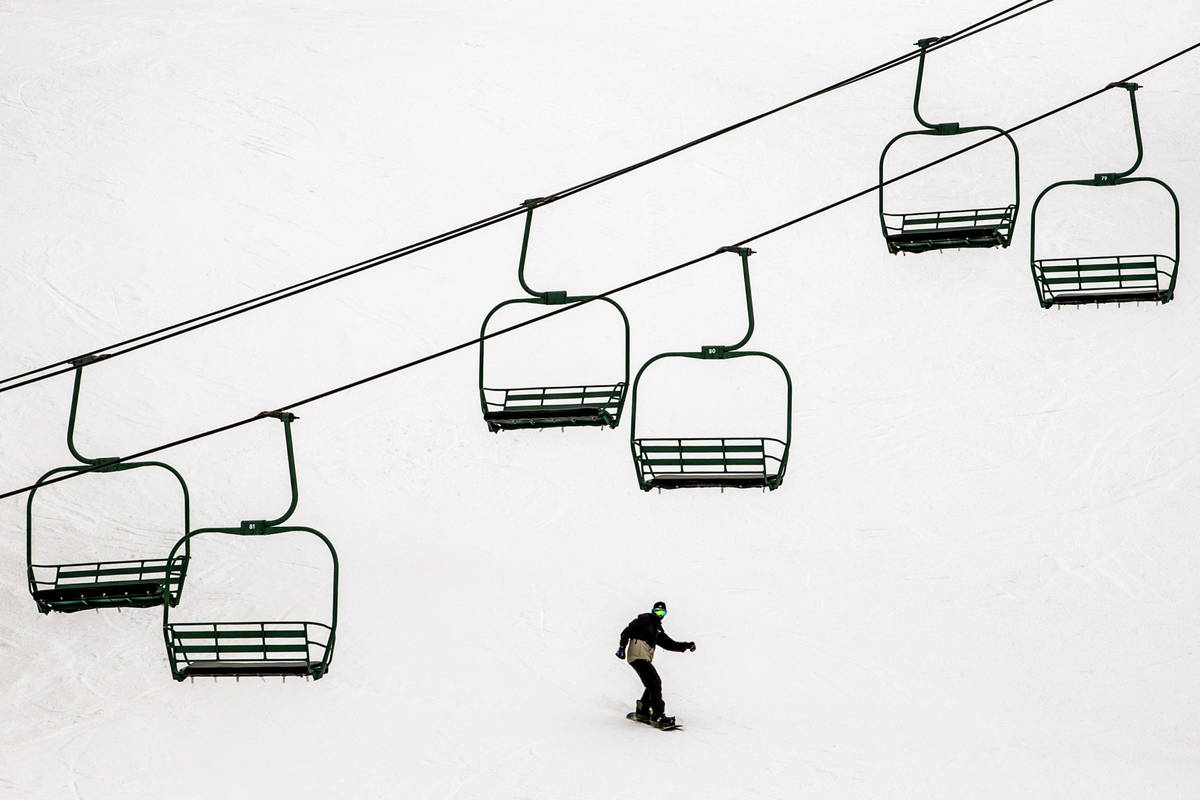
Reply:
x=977 y=581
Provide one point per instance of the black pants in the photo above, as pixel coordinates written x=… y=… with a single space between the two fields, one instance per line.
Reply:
x=652 y=699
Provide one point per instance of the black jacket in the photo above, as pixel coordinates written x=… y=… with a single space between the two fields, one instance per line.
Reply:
x=648 y=628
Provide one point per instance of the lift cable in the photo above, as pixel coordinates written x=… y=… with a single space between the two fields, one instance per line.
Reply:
x=212 y=317
x=623 y=287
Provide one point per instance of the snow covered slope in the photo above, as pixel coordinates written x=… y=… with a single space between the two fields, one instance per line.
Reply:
x=977 y=580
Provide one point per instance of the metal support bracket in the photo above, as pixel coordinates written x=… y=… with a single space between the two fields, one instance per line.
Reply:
x=83 y=361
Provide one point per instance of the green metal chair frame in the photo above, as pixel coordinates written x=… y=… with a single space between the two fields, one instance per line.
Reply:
x=550 y=406
x=140 y=583
x=917 y=232
x=1106 y=279
x=714 y=462
x=256 y=648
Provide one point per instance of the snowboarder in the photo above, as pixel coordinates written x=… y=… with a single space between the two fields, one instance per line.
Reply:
x=641 y=636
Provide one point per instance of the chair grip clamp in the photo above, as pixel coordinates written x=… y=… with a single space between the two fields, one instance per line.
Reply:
x=714 y=351
x=90 y=358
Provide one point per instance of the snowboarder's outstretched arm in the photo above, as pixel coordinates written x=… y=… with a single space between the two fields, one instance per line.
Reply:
x=667 y=643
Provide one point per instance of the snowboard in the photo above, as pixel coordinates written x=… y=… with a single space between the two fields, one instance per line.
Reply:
x=646 y=721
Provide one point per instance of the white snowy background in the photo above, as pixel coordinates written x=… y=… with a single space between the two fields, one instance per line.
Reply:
x=977 y=581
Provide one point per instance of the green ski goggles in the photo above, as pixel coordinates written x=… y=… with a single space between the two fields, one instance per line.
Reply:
x=660 y=612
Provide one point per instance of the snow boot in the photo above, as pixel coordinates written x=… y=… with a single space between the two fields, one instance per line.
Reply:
x=641 y=713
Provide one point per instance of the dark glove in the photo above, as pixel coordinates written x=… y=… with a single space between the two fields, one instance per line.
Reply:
x=691 y=647
x=621 y=652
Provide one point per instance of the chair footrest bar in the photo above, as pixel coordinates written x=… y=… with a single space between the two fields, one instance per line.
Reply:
x=922 y=241
x=250 y=669
x=1148 y=296
x=541 y=418
x=141 y=594
x=574 y=412
x=698 y=480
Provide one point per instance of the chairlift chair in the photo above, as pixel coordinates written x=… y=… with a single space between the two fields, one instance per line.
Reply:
x=920 y=231
x=556 y=406
x=256 y=648
x=137 y=583
x=1106 y=279
x=738 y=462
